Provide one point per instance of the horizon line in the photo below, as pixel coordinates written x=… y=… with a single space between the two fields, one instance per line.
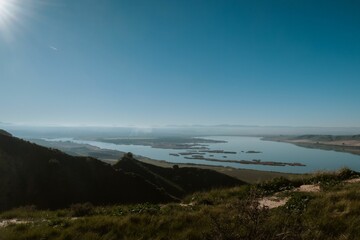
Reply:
x=52 y=125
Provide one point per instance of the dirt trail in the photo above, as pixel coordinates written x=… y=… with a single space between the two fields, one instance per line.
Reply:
x=277 y=201
x=273 y=202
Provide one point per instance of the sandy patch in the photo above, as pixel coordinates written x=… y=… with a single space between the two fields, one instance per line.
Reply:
x=355 y=180
x=275 y=201
x=308 y=188
x=272 y=202
x=7 y=222
x=187 y=204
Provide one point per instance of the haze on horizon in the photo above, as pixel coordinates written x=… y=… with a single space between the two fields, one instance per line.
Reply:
x=158 y=63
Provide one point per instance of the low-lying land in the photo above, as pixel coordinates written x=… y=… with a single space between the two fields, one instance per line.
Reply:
x=252 y=162
x=164 y=142
x=350 y=144
x=80 y=150
x=226 y=213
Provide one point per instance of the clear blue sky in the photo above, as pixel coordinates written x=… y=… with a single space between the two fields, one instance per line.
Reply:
x=145 y=63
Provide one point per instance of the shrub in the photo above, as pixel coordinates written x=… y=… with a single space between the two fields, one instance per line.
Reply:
x=275 y=185
x=82 y=209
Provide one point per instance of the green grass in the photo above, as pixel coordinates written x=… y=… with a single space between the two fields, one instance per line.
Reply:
x=232 y=213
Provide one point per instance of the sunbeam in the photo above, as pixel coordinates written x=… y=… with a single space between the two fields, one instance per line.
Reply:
x=12 y=16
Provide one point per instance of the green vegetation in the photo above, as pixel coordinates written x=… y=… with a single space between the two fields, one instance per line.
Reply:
x=226 y=213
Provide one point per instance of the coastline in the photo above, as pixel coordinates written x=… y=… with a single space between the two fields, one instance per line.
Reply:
x=346 y=145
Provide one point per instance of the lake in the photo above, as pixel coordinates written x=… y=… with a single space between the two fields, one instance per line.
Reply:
x=314 y=159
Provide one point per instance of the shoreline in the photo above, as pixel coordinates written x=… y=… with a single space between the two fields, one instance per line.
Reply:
x=345 y=146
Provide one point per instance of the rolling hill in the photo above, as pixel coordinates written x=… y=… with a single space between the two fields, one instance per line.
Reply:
x=48 y=178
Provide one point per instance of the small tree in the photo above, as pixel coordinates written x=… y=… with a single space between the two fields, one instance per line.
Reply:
x=128 y=155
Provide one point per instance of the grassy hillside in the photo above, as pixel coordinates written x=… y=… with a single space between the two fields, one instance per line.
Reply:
x=227 y=213
x=35 y=175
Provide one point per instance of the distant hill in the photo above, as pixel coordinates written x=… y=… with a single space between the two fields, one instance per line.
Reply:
x=328 y=137
x=48 y=178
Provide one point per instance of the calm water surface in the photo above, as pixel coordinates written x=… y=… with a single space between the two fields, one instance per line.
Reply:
x=314 y=159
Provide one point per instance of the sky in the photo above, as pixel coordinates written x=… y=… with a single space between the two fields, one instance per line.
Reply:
x=165 y=62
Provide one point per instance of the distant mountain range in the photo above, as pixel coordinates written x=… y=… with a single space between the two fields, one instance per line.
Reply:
x=48 y=178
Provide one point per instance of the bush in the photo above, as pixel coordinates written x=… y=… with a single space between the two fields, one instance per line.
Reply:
x=276 y=185
x=346 y=174
x=80 y=210
x=245 y=219
x=298 y=203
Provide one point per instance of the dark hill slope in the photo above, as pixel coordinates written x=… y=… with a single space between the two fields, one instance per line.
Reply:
x=177 y=181
x=3 y=132
x=47 y=178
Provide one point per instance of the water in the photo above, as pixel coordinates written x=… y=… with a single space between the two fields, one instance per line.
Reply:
x=314 y=159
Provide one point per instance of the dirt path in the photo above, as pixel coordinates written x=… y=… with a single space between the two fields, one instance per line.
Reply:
x=273 y=202
x=277 y=201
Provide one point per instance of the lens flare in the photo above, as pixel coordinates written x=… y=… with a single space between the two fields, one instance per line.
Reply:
x=10 y=12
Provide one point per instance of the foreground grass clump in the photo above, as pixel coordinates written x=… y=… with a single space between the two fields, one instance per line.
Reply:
x=233 y=213
x=135 y=222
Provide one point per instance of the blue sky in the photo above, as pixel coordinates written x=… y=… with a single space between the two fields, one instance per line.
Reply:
x=147 y=63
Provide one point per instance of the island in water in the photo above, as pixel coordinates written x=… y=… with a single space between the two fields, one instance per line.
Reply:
x=254 y=161
x=164 y=142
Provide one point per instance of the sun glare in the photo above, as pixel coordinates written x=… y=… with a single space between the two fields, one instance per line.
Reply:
x=6 y=7
x=9 y=10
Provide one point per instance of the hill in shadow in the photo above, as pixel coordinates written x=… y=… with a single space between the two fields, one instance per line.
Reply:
x=48 y=178
x=176 y=181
